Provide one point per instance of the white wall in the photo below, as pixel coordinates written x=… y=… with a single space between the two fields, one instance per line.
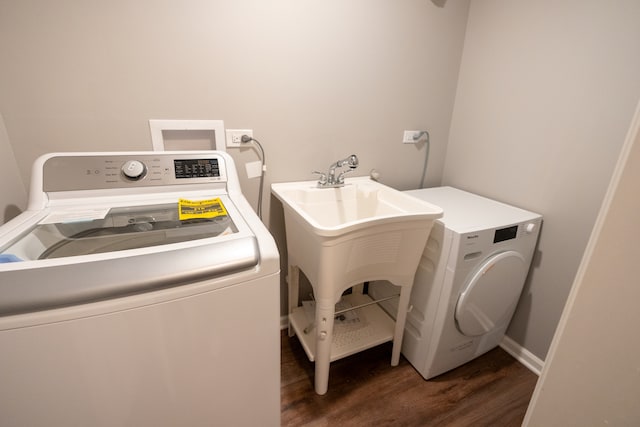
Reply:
x=13 y=196
x=546 y=93
x=592 y=376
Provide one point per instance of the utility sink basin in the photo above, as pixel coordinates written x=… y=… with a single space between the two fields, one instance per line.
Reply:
x=362 y=231
x=359 y=204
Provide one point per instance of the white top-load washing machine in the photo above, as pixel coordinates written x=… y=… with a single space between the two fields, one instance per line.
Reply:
x=139 y=288
x=469 y=280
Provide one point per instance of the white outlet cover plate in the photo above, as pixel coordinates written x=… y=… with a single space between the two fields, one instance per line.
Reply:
x=233 y=137
x=407 y=138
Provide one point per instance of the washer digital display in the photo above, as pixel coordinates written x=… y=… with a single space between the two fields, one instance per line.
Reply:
x=196 y=168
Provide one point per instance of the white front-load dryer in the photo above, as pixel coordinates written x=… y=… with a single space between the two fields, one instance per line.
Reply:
x=469 y=280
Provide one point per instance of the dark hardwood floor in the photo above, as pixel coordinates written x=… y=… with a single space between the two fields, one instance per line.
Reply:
x=365 y=390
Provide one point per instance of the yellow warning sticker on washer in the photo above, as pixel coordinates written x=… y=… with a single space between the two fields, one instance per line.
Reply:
x=191 y=209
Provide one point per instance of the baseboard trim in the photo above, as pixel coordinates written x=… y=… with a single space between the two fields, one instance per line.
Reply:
x=522 y=355
x=284 y=322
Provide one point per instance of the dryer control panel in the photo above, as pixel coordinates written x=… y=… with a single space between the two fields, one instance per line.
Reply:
x=521 y=237
x=123 y=170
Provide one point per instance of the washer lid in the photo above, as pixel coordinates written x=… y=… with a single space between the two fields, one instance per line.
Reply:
x=489 y=298
x=130 y=250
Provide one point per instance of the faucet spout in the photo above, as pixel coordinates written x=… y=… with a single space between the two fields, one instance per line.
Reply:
x=332 y=180
x=351 y=161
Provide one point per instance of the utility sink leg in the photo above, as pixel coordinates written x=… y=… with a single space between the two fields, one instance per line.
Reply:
x=294 y=289
x=401 y=318
x=325 y=313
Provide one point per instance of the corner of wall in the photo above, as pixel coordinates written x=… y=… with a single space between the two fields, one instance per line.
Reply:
x=12 y=189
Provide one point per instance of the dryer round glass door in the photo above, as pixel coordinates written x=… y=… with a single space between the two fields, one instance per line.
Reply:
x=489 y=298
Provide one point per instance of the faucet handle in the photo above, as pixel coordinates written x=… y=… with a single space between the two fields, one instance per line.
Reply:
x=322 y=180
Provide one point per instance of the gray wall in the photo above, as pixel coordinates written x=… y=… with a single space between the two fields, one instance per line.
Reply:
x=546 y=94
x=315 y=80
x=582 y=383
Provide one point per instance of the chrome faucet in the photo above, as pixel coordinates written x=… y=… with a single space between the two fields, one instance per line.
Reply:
x=330 y=180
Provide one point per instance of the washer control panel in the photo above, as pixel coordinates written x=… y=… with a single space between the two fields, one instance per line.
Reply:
x=104 y=171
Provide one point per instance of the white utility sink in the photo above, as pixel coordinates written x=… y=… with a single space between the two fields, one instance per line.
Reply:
x=359 y=204
x=341 y=237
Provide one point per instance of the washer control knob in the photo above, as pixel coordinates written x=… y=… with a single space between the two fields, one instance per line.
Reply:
x=530 y=228
x=134 y=170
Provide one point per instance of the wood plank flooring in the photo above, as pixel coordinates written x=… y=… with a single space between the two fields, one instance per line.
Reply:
x=365 y=390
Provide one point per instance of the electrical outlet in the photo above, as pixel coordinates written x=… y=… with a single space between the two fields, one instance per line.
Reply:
x=408 y=137
x=234 y=137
